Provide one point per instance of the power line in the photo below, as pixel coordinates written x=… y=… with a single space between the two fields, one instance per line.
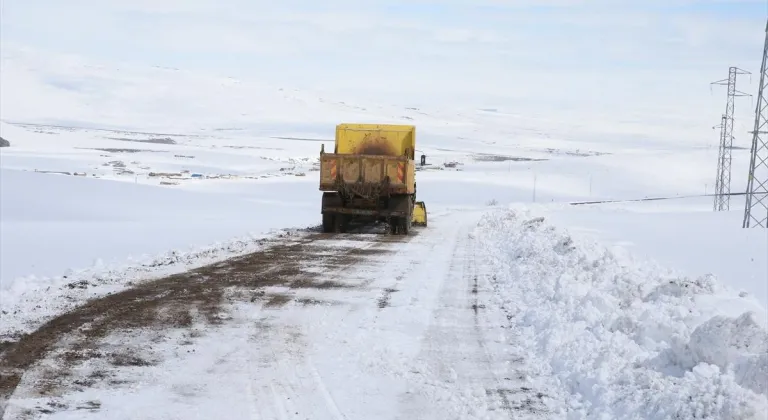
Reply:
x=659 y=198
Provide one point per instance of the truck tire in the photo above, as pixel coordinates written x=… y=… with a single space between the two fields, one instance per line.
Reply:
x=330 y=199
x=340 y=223
x=402 y=204
x=400 y=225
x=405 y=222
x=405 y=226
x=328 y=222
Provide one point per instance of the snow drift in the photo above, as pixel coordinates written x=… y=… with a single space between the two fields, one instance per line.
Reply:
x=624 y=339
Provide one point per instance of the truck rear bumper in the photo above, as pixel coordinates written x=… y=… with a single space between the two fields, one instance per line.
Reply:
x=364 y=212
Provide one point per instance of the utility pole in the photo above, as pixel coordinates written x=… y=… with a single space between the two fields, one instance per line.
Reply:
x=756 y=208
x=723 y=184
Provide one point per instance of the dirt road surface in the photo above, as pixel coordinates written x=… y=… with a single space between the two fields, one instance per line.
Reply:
x=317 y=326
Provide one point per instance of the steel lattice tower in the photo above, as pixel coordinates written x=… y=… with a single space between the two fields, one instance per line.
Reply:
x=723 y=181
x=719 y=204
x=756 y=209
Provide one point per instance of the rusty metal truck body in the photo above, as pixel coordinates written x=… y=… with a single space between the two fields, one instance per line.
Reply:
x=370 y=176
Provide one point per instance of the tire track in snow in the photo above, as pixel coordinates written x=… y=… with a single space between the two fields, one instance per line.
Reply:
x=283 y=379
x=286 y=380
x=458 y=374
x=329 y=400
x=516 y=397
x=471 y=278
x=444 y=350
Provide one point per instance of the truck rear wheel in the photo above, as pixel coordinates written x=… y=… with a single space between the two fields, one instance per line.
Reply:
x=405 y=225
x=400 y=225
x=340 y=222
x=330 y=199
x=328 y=222
x=394 y=223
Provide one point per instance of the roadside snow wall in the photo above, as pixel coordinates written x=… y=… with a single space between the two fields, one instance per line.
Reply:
x=624 y=339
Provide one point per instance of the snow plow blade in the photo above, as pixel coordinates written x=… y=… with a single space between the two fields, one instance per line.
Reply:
x=419 y=216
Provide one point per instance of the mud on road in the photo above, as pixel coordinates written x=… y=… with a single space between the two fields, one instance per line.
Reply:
x=288 y=265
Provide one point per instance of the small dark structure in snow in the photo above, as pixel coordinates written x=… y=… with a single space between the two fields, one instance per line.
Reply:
x=4 y=142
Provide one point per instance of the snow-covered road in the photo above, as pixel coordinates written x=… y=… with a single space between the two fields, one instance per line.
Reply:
x=411 y=346
x=478 y=316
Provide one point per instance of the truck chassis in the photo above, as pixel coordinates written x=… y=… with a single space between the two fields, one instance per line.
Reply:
x=339 y=211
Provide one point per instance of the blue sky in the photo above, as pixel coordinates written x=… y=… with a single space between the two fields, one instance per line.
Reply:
x=578 y=50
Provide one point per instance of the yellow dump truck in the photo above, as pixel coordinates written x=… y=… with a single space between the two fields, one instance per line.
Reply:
x=371 y=176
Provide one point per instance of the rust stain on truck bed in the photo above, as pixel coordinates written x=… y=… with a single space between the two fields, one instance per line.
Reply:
x=373 y=144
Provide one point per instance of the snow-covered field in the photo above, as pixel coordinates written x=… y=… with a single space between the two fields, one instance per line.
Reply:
x=621 y=310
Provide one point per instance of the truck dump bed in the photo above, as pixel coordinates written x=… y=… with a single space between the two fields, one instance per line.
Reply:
x=376 y=139
x=370 y=160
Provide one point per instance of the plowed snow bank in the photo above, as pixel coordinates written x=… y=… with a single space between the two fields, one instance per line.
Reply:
x=625 y=339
